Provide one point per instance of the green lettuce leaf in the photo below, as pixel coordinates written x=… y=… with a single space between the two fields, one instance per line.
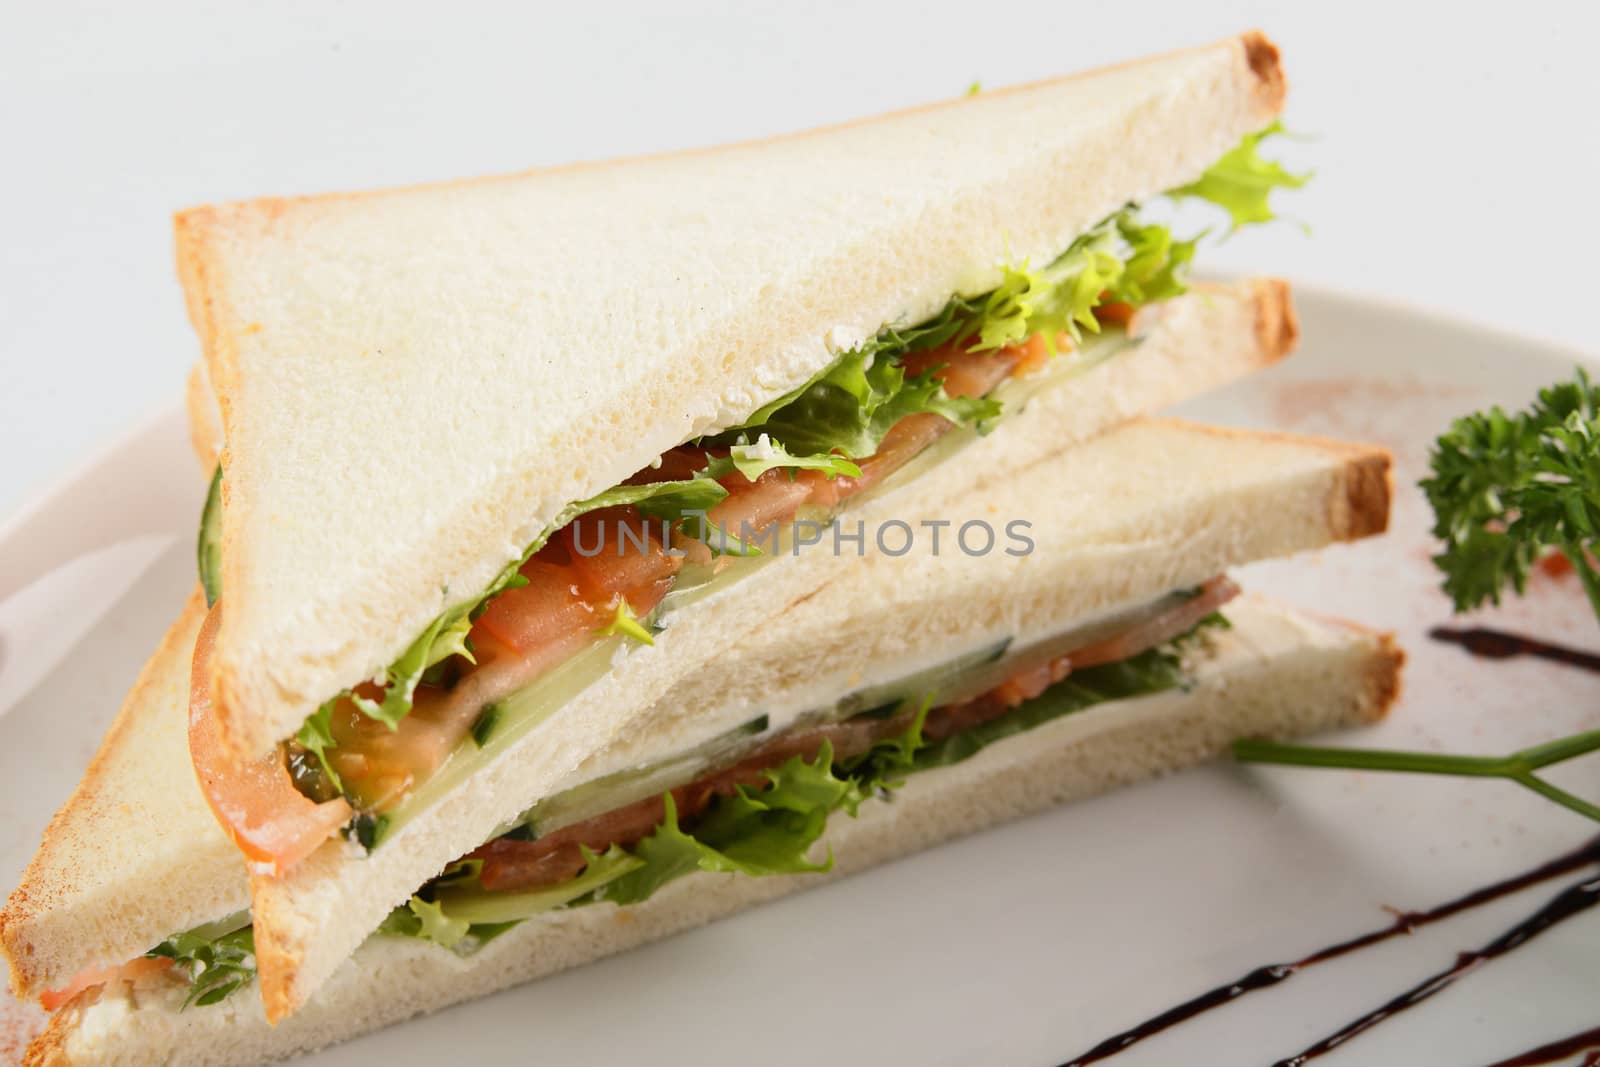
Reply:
x=1152 y=671
x=316 y=735
x=1058 y=299
x=886 y=763
x=478 y=907
x=754 y=460
x=755 y=831
x=851 y=405
x=215 y=963
x=1155 y=265
x=1241 y=182
x=208 y=550
x=434 y=925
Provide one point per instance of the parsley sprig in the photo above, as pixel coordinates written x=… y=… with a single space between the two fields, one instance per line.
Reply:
x=1505 y=490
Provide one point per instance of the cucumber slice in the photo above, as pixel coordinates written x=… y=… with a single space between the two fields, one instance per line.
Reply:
x=209 y=549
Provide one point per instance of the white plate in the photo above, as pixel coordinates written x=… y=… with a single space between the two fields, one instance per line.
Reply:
x=1031 y=942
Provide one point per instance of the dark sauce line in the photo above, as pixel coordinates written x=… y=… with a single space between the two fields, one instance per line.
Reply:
x=1569 y=902
x=1499 y=644
x=1588 y=1041
x=1272 y=974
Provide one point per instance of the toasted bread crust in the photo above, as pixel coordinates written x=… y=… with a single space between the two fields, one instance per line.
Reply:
x=1385 y=678
x=1365 y=507
x=1262 y=55
x=41 y=886
x=1277 y=324
x=49 y=1048
x=1358 y=502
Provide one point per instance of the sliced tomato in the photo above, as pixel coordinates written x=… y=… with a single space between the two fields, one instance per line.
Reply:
x=1159 y=630
x=509 y=865
x=273 y=824
x=963 y=372
x=754 y=506
x=676 y=465
x=616 y=553
x=546 y=611
x=379 y=765
x=1115 y=314
x=899 y=446
x=89 y=977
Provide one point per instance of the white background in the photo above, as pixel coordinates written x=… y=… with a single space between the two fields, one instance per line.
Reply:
x=1457 y=148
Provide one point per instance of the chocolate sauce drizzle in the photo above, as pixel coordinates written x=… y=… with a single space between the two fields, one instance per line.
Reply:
x=1568 y=903
x=1500 y=644
x=1588 y=1041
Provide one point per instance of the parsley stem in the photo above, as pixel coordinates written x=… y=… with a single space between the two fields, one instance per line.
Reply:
x=1517 y=767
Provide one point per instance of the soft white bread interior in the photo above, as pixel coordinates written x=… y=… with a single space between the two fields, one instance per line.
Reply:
x=75 y=908
x=413 y=382
x=135 y=854
x=1276 y=673
x=1119 y=520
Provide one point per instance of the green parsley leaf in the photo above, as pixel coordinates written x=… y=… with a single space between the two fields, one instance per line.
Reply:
x=1506 y=488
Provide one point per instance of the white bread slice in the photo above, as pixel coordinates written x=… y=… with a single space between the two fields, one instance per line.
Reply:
x=58 y=922
x=135 y=849
x=413 y=382
x=1275 y=674
x=1119 y=520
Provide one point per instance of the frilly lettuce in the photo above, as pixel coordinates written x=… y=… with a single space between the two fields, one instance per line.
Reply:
x=848 y=407
x=1241 y=182
x=764 y=454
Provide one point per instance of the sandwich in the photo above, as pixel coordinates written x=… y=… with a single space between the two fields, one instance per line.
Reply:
x=348 y=684
x=913 y=698
x=435 y=403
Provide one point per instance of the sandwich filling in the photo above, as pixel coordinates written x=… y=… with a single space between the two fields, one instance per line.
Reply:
x=609 y=570
x=756 y=800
